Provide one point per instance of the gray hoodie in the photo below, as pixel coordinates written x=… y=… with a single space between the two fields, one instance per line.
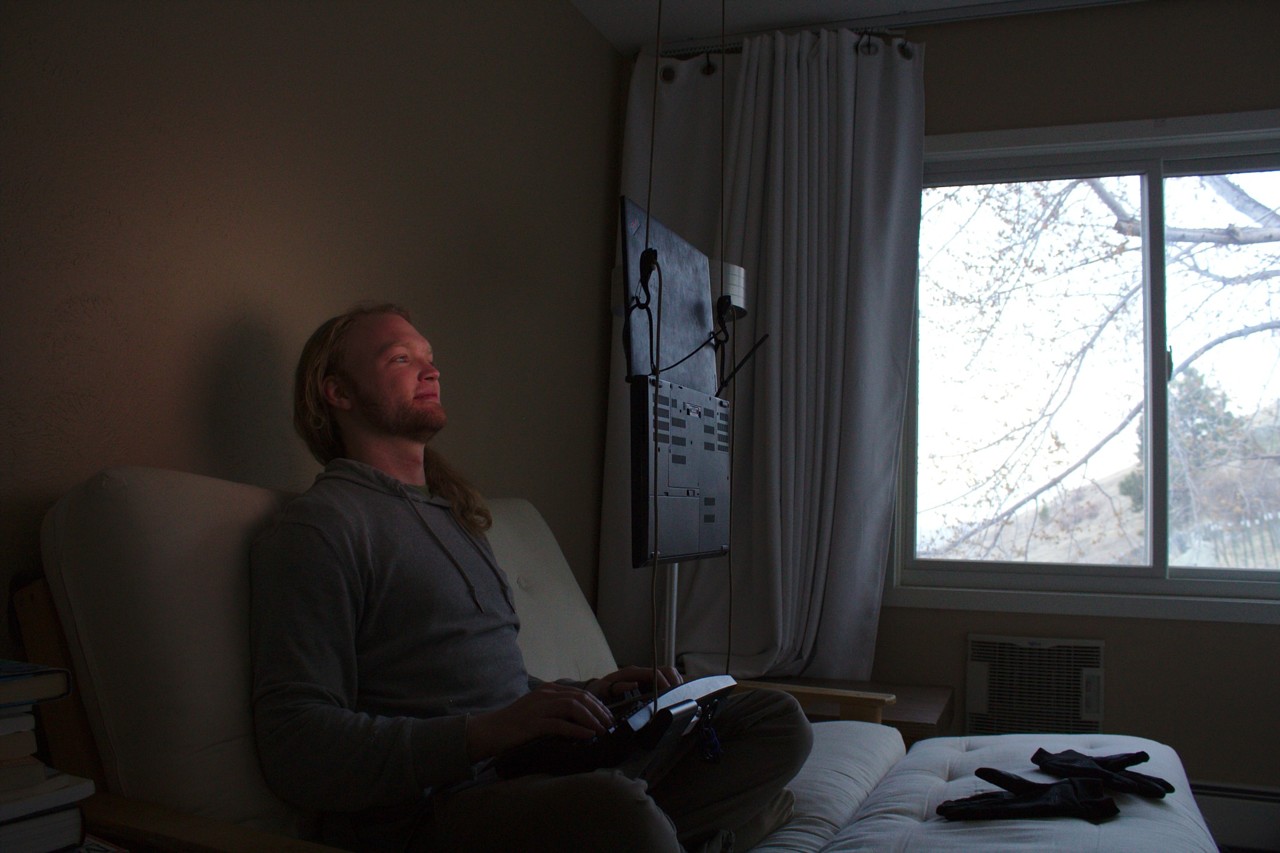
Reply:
x=378 y=624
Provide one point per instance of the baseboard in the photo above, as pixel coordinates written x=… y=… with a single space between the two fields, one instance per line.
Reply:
x=1239 y=817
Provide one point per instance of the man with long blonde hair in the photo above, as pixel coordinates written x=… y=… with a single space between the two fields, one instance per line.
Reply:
x=386 y=670
x=315 y=418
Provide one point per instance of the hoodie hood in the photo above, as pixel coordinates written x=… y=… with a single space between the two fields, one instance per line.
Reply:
x=369 y=477
x=436 y=517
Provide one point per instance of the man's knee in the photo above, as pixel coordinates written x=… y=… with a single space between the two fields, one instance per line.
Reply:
x=603 y=810
x=797 y=724
x=776 y=721
x=618 y=813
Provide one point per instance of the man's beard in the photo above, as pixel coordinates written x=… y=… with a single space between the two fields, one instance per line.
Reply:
x=403 y=420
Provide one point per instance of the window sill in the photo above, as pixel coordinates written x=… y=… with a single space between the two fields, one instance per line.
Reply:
x=1131 y=605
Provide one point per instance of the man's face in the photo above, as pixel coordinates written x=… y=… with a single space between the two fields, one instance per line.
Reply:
x=389 y=376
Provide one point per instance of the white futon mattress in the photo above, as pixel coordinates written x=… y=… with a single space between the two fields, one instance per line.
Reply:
x=899 y=814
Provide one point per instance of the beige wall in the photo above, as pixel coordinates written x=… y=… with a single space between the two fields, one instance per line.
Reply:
x=1140 y=60
x=1210 y=689
x=189 y=189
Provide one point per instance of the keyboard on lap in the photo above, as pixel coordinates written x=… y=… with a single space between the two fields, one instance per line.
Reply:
x=643 y=725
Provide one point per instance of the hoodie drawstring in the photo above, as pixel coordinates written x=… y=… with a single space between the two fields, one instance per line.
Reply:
x=457 y=565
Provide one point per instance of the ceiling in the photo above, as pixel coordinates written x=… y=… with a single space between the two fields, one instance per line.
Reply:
x=630 y=25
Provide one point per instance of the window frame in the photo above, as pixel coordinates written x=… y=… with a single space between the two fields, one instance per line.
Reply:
x=1154 y=150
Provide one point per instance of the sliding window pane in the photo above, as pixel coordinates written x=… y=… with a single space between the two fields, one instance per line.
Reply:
x=1031 y=373
x=1222 y=261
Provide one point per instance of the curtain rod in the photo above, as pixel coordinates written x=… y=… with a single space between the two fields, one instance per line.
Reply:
x=733 y=44
x=882 y=24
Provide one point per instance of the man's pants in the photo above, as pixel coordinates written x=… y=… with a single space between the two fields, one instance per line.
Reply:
x=764 y=737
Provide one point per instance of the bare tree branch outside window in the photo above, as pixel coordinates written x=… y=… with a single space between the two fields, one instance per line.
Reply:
x=1032 y=411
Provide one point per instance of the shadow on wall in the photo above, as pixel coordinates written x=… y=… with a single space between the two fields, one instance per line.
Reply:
x=249 y=435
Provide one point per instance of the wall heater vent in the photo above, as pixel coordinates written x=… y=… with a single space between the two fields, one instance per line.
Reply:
x=1029 y=684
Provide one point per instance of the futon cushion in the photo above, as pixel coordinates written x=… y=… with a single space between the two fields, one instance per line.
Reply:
x=149 y=572
x=559 y=635
x=848 y=760
x=901 y=813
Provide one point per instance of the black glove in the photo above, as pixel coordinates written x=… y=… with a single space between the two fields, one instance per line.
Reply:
x=1110 y=770
x=1083 y=798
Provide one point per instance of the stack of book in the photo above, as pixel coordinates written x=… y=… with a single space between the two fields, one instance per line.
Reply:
x=39 y=806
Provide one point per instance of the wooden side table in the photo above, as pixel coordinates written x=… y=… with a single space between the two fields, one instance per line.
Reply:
x=830 y=700
x=917 y=711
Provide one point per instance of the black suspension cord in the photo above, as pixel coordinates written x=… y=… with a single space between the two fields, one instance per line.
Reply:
x=733 y=411
x=650 y=256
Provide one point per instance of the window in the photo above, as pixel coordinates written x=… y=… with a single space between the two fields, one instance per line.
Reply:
x=1097 y=379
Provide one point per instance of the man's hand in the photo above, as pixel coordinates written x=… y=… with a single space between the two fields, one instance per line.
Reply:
x=616 y=684
x=549 y=709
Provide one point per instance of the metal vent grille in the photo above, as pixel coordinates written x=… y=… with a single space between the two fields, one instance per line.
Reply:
x=1028 y=684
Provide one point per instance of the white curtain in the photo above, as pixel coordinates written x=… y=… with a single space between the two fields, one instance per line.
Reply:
x=822 y=150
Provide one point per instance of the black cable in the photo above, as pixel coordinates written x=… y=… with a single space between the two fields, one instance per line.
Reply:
x=653 y=488
x=653 y=123
x=710 y=341
x=750 y=353
x=650 y=257
x=724 y=73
